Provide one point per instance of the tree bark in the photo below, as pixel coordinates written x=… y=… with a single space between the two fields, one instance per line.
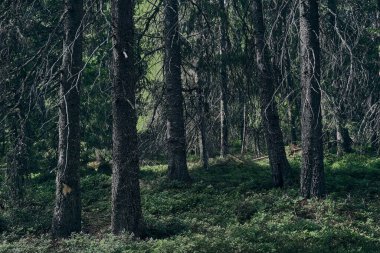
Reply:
x=244 y=130
x=312 y=171
x=342 y=138
x=16 y=158
x=174 y=99
x=126 y=202
x=292 y=124
x=224 y=124
x=202 y=80
x=276 y=150
x=202 y=118
x=67 y=212
x=293 y=101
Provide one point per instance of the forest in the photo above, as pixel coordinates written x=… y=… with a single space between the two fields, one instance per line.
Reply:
x=190 y=126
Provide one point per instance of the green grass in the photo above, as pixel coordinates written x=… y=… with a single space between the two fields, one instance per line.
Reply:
x=229 y=208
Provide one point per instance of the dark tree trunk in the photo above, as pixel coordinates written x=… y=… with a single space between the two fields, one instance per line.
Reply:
x=13 y=103
x=126 y=202
x=16 y=159
x=375 y=142
x=224 y=124
x=339 y=140
x=343 y=138
x=292 y=124
x=256 y=142
x=312 y=171
x=67 y=212
x=244 y=130
x=375 y=138
x=174 y=100
x=3 y=141
x=276 y=150
x=378 y=20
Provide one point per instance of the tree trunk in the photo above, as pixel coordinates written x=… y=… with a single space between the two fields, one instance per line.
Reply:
x=224 y=127
x=244 y=130
x=292 y=124
x=174 y=108
x=67 y=212
x=202 y=80
x=276 y=150
x=3 y=141
x=16 y=159
x=202 y=121
x=342 y=138
x=375 y=139
x=248 y=69
x=312 y=171
x=293 y=104
x=126 y=203
x=375 y=142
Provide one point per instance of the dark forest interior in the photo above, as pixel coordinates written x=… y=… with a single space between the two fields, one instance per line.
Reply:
x=189 y=126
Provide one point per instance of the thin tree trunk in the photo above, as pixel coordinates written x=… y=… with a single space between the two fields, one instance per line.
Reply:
x=16 y=154
x=292 y=111
x=67 y=212
x=375 y=139
x=312 y=171
x=276 y=150
x=244 y=130
x=202 y=123
x=292 y=102
x=16 y=159
x=248 y=69
x=224 y=124
x=342 y=138
x=3 y=142
x=339 y=140
x=292 y=124
x=174 y=108
x=203 y=82
x=126 y=202
x=257 y=143
x=375 y=142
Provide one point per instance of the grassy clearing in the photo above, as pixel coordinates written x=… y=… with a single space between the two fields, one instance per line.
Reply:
x=229 y=208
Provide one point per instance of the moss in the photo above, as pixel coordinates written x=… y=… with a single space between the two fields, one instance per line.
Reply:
x=229 y=208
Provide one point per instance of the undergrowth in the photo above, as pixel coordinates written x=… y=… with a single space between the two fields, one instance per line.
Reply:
x=231 y=207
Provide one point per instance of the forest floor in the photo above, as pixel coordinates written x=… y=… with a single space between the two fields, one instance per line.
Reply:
x=231 y=207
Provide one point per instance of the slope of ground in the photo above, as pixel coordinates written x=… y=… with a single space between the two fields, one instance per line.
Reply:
x=229 y=208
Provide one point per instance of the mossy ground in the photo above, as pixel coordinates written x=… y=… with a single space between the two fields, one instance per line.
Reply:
x=229 y=208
